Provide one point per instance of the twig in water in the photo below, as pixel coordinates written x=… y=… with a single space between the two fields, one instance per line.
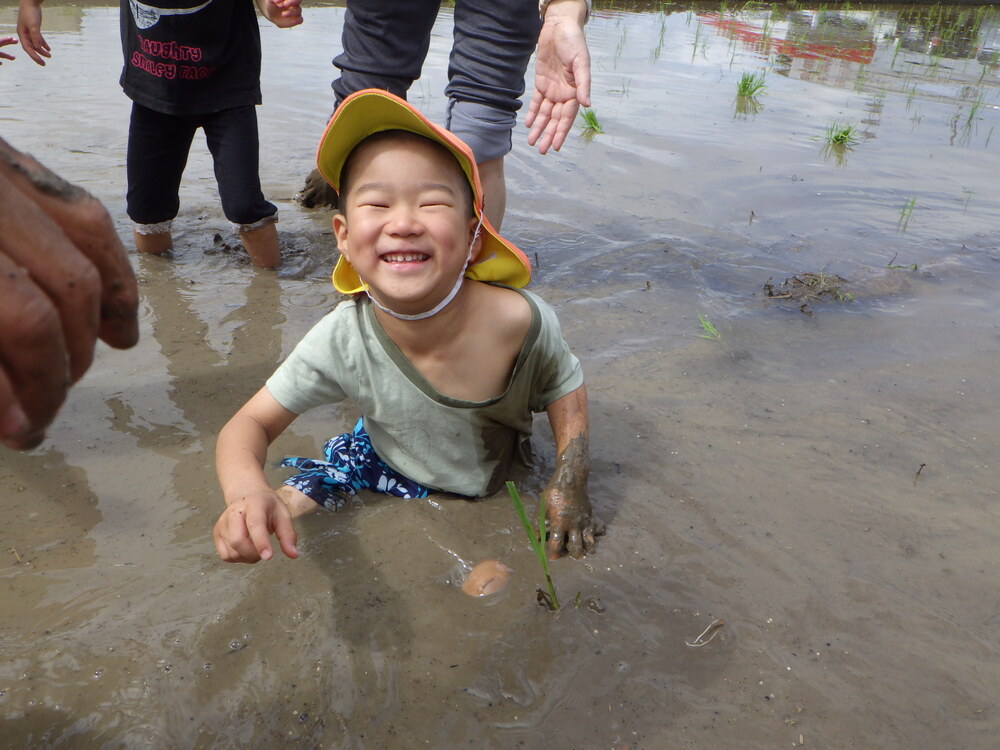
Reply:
x=713 y=627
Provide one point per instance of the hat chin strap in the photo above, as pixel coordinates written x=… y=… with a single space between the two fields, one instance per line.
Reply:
x=443 y=303
x=420 y=316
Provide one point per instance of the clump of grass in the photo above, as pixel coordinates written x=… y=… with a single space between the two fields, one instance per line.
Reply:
x=750 y=85
x=842 y=134
x=591 y=125
x=710 y=331
x=537 y=542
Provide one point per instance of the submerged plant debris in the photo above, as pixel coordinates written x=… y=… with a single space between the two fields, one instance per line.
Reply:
x=803 y=289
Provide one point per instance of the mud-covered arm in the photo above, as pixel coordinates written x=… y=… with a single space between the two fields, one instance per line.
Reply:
x=572 y=523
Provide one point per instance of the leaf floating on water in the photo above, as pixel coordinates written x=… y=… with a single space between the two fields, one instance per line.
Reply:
x=711 y=631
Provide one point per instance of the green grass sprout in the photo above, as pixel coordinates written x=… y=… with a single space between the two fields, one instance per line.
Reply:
x=710 y=331
x=537 y=542
x=905 y=214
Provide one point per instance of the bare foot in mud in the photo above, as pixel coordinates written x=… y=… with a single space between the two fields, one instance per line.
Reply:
x=317 y=192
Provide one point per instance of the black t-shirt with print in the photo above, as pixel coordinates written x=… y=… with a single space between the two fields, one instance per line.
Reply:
x=185 y=57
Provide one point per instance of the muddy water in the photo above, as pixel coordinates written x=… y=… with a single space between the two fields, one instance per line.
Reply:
x=823 y=478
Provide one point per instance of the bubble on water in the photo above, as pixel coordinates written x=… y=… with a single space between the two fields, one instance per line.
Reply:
x=98 y=673
x=206 y=666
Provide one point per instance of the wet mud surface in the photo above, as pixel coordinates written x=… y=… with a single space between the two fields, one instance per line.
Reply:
x=825 y=484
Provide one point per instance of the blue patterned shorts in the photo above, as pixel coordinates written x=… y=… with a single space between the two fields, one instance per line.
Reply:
x=351 y=464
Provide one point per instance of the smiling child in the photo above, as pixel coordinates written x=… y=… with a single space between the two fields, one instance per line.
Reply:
x=445 y=354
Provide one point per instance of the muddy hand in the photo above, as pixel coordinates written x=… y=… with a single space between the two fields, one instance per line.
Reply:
x=66 y=281
x=572 y=524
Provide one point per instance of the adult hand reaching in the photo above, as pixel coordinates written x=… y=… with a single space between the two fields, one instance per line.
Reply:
x=562 y=75
x=65 y=281
x=29 y=30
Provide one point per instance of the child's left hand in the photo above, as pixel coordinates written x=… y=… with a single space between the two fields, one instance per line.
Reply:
x=572 y=523
x=282 y=13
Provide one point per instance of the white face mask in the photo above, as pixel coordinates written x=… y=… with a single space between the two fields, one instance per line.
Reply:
x=448 y=298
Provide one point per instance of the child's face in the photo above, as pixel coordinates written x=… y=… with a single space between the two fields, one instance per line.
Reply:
x=407 y=225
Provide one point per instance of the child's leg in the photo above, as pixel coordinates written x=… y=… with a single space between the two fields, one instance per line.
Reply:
x=158 y=146
x=153 y=242
x=490 y=54
x=261 y=244
x=232 y=139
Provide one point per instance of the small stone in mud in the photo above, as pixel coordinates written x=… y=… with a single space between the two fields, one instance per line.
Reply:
x=487 y=577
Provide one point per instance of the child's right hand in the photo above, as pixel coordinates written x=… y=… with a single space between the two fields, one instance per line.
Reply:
x=243 y=531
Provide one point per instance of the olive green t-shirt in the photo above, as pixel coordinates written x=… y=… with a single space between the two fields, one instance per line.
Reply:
x=464 y=447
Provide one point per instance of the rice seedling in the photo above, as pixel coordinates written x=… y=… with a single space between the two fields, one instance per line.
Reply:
x=622 y=41
x=860 y=79
x=537 y=542
x=624 y=89
x=966 y=196
x=658 y=50
x=710 y=331
x=591 y=125
x=976 y=106
x=905 y=214
x=750 y=85
x=892 y=264
x=842 y=134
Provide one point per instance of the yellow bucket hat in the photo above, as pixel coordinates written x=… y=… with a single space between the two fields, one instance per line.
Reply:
x=371 y=111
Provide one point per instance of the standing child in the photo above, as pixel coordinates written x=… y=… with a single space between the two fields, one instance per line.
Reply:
x=443 y=352
x=189 y=65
